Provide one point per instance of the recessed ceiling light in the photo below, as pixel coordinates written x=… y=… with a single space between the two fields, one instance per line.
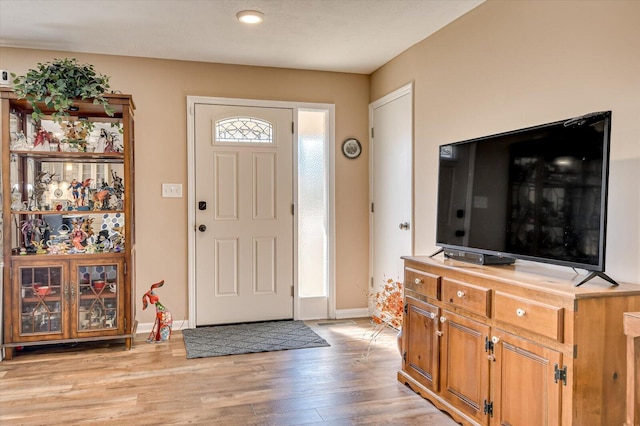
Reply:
x=250 y=16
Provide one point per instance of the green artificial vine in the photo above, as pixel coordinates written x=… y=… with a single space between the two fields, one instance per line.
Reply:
x=57 y=84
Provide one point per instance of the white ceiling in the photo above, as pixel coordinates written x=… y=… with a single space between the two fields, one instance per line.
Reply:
x=355 y=36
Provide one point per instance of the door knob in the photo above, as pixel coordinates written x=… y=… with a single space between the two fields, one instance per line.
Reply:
x=404 y=226
x=202 y=228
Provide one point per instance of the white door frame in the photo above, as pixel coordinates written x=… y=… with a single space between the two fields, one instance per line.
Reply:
x=398 y=93
x=191 y=198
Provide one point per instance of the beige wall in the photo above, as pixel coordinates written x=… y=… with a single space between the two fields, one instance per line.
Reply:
x=511 y=64
x=159 y=89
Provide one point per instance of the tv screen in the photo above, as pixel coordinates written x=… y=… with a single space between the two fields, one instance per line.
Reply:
x=538 y=193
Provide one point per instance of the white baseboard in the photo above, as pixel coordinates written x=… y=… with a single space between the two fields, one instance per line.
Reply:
x=146 y=327
x=352 y=313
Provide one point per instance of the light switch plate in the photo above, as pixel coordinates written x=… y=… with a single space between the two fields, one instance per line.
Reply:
x=172 y=190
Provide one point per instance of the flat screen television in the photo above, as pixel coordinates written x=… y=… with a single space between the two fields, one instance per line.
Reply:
x=537 y=194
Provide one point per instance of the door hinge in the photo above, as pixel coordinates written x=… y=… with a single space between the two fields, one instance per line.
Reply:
x=404 y=356
x=292 y=295
x=11 y=331
x=406 y=308
x=371 y=282
x=125 y=268
x=293 y=209
x=292 y=127
x=372 y=208
x=488 y=408
x=372 y=132
x=125 y=324
x=560 y=374
x=488 y=344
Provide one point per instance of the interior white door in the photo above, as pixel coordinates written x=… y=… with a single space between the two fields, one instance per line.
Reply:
x=244 y=221
x=391 y=185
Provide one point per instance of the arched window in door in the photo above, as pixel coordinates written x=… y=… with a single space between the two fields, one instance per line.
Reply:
x=243 y=130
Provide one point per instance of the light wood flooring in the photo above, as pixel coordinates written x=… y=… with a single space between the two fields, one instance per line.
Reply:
x=155 y=384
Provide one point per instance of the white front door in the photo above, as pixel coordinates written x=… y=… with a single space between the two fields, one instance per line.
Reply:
x=391 y=119
x=244 y=221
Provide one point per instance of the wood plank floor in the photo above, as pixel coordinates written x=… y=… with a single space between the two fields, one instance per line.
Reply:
x=154 y=384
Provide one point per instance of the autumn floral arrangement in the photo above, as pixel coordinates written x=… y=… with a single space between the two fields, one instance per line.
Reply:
x=388 y=310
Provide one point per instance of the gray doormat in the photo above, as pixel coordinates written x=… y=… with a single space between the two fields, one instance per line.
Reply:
x=246 y=338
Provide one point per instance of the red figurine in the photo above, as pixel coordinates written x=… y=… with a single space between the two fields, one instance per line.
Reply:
x=161 y=330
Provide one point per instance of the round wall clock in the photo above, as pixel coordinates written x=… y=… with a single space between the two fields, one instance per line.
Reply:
x=351 y=148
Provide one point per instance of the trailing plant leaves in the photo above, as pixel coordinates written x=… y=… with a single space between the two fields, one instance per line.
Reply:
x=58 y=83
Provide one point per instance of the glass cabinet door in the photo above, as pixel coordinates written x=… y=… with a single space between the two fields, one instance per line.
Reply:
x=99 y=287
x=41 y=291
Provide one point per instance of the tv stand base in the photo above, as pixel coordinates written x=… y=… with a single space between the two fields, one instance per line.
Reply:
x=593 y=274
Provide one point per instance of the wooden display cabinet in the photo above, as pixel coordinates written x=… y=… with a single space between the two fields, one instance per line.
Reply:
x=68 y=229
x=514 y=345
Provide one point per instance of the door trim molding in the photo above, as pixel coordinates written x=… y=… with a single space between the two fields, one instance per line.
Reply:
x=192 y=101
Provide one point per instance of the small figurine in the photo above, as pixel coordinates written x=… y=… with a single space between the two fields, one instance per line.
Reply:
x=78 y=236
x=161 y=330
x=103 y=243
x=101 y=198
x=110 y=141
x=75 y=186
x=20 y=142
x=42 y=140
x=34 y=231
x=78 y=191
x=75 y=135
x=83 y=191
x=43 y=180
x=118 y=186
x=39 y=247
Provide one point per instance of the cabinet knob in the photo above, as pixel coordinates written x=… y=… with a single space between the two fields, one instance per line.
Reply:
x=404 y=226
x=520 y=312
x=417 y=281
x=439 y=333
x=495 y=340
x=432 y=315
x=202 y=228
x=491 y=358
x=460 y=293
x=442 y=319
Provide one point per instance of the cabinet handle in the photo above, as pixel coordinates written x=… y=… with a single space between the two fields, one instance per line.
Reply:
x=442 y=319
x=439 y=333
x=495 y=340
x=491 y=358
x=460 y=293
x=417 y=281
x=65 y=286
x=73 y=291
x=520 y=312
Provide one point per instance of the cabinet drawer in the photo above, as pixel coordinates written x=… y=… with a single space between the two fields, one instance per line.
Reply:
x=540 y=318
x=467 y=296
x=422 y=282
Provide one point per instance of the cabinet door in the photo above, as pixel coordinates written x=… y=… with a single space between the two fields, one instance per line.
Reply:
x=98 y=297
x=421 y=360
x=523 y=386
x=39 y=293
x=464 y=374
